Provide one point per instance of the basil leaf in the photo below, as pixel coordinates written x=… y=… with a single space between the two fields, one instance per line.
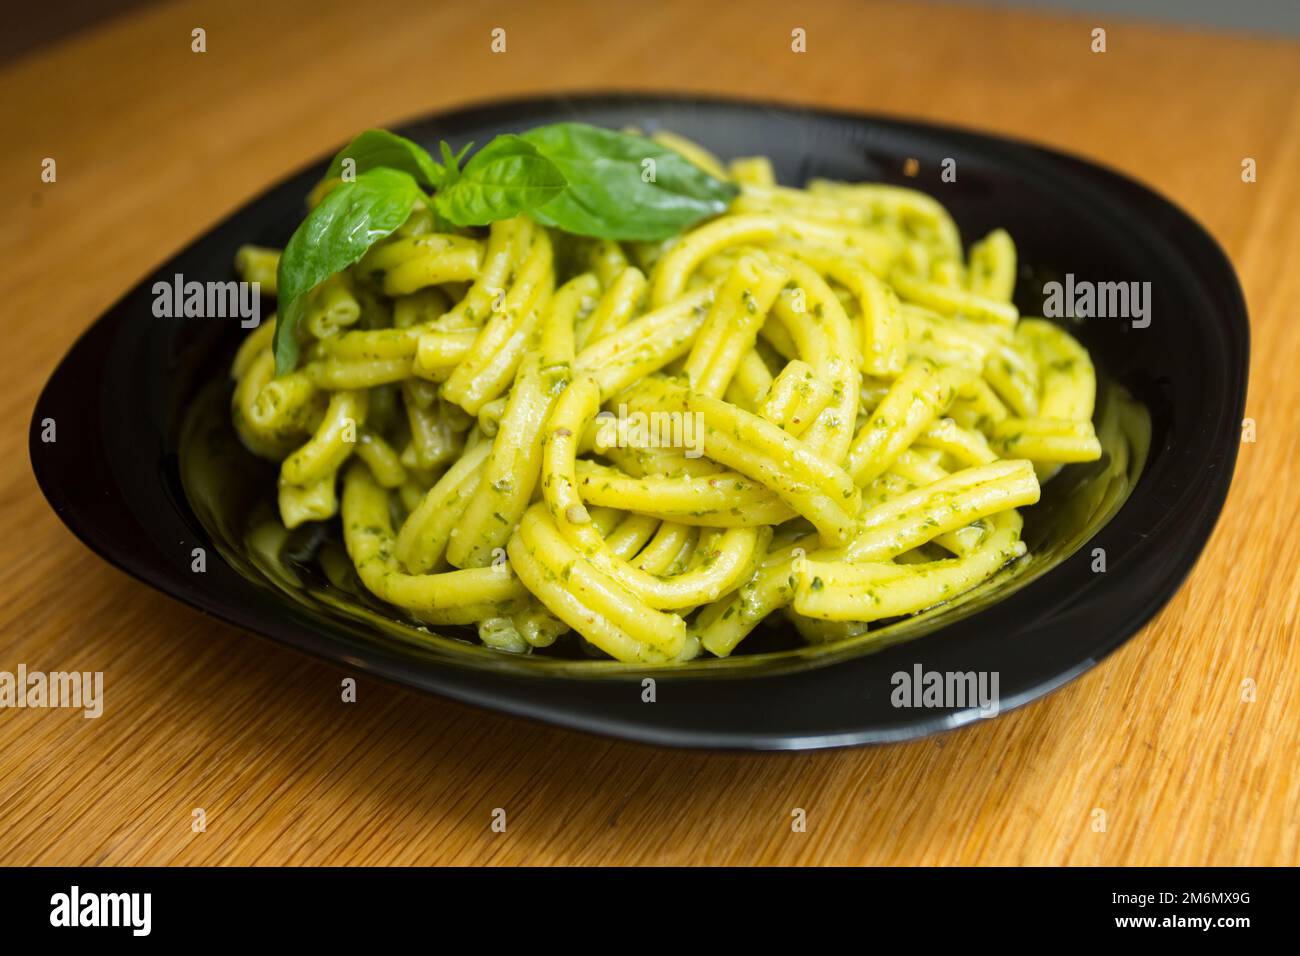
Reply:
x=607 y=195
x=451 y=162
x=351 y=219
x=377 y=148
x=504 y=178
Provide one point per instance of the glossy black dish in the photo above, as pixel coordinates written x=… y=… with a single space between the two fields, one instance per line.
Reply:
x=145 y=469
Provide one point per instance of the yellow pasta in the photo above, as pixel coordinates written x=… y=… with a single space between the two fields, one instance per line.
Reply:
x=993 y=266
x=752 y=171
x=951 y=301
x=416 y=262
x=817 y=404
x=915 y=399
x=620 y=302
x=576 y=591
x=451 y=597
x=316 y=501
x=332 y=443
x=795 y=398
x=384 y=463
x=512 y=467
x=868 y=591
x=751 y=383
x=331 y=307
x=258 y=264
x=739 y=309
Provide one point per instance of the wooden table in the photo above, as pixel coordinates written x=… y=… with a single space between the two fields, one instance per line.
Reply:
x=155 y=143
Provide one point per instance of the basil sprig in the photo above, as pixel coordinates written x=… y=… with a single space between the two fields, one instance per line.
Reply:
x=572 y=176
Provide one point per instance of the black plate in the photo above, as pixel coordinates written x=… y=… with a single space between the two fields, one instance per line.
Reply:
x=138 y=405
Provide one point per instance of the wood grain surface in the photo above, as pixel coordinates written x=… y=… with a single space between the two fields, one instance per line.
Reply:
x=154 y=144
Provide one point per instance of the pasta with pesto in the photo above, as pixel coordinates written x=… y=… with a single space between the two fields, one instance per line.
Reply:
x=815 y=404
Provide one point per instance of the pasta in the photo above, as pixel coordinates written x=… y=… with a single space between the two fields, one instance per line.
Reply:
x=815 y=403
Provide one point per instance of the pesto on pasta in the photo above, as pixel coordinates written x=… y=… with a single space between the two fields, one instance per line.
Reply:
x=810 y=402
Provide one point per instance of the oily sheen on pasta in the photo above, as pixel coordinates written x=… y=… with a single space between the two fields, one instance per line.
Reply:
x=859 y=412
